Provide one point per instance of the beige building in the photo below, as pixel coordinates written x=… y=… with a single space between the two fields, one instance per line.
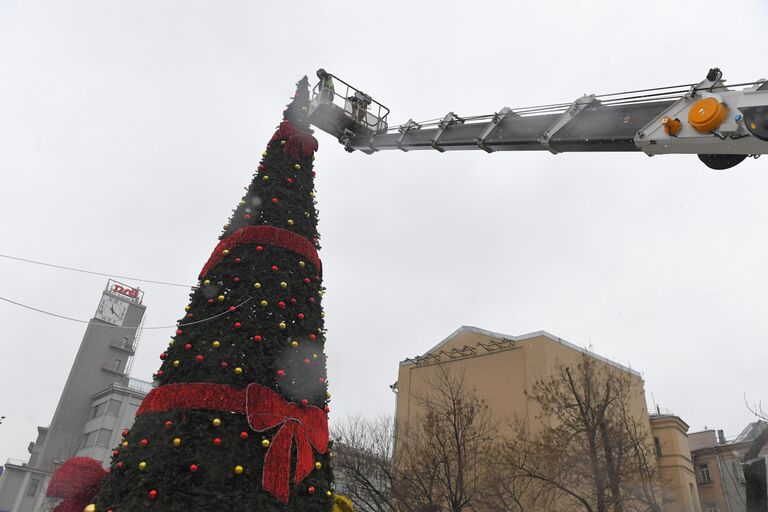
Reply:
x=502 y=368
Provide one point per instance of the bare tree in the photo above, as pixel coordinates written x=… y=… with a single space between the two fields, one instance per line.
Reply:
x=591 y=453
x=363 y=462
x=445 y=455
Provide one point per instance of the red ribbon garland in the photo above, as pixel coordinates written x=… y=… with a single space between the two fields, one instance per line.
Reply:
x=264 y=235
x=297 y=142
x=265 y=409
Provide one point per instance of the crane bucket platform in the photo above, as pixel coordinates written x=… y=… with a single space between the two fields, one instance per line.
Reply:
x=721 y=124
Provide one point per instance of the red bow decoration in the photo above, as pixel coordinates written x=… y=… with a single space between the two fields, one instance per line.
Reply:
x=265 y=409
x=307 y=426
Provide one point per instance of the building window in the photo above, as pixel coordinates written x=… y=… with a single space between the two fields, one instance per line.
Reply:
x=104 y=437
x=737 y=472
x=704 y=475
x=711 y=507
x=116 y=365
x=34 y=484
x=657 y=445
x=113 y=408
x=88 y=439
x=98 y=410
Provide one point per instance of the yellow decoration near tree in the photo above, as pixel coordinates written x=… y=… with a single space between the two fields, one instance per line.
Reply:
x=216 y=344
x=238 y=470
x=142 y=466
x=297 y=167
x=90 y=508
x=282 y=325
x=176 y=442
x=265 y=443
x=257 y=285
x=238 y=371
x=221 y=298
x=342 y=504
x=301 y=264
x=216 y=422
x=207 y=282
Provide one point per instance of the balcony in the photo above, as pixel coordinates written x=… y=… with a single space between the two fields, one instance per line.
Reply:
x=114 y=367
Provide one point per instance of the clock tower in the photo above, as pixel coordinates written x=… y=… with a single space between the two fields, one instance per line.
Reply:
x=103 y=359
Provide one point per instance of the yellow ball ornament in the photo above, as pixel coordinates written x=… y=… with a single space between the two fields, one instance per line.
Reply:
x=221 y=298
x=124 y=444
x=264 y=303
x=282 y=143
x=207 y=282
x=142 y=466
x=170 y=343
x=176 y=442
x=264 y=154
x=294 y=343
x=265 y=178
x=238 y=371
x=238 y=470
x=322 y=314
x=297 y=167
x=290 y=222
x=216 y=344
x=282 y=325
x=302 y=264
x=90 y=508
x=328 y=493
x=187 y=308
x=176 y=363
x=257 y=285
x=216 y=422
x=283 y=284
x=265 y=443
x=242 y=203
x=318 y=465
x=225 y=252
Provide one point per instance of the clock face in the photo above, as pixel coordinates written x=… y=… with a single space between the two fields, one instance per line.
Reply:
x=112 y=310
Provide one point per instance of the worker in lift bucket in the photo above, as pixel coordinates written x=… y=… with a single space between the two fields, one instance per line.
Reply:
x=326 y=85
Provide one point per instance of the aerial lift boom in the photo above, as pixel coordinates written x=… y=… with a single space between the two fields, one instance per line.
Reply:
x=722 y=124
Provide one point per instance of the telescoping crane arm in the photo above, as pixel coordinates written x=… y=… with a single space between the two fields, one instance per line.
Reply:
x=722 y=124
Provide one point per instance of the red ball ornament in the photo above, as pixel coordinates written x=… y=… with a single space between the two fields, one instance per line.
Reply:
x=259 y=248
x=115 y=453
x=280 y=373
x=189 y=315
x=160 y=373
x=281 y=305
x=314 y=174
x=275 y=268
x=312 y=337
x=238 y=260
x=307 y=280
x=293 y=300
x=163 y=355
x=257 y=338
x=307 y=361
x=125 y=432
x=289 y=180
x=119 y=465
x=193 y=468
x=243 y=435
x=304 y=402
x=224 y=364
x=216 y=441
x=247 y=215
x=187 y=346
x=275 y=200
x=152 y=494
x=144 y=442
x=210 y=301
x=311 y=300
x=199 y=358
x=178 y=332
x=311 y=489
x=326 y=409
x=168 y=424
x=322 y=380
x=238 y=325
x=232 y=308
x=261 y=167
x=237 y=279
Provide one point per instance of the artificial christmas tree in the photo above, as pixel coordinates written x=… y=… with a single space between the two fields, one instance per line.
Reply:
x=238 y=420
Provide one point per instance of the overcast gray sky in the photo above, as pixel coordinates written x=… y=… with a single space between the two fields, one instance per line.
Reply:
x=128 y=129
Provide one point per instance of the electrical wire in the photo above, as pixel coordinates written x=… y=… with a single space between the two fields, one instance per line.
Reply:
x=63 y=267
x=89 y=322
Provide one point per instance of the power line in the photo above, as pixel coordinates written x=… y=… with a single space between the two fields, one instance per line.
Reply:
x=63 y=267
x=49 y=313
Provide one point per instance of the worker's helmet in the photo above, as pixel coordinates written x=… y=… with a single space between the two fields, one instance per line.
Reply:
x=321 y=73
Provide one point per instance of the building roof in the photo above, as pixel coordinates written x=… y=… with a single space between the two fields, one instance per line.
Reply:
x=521 y=337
